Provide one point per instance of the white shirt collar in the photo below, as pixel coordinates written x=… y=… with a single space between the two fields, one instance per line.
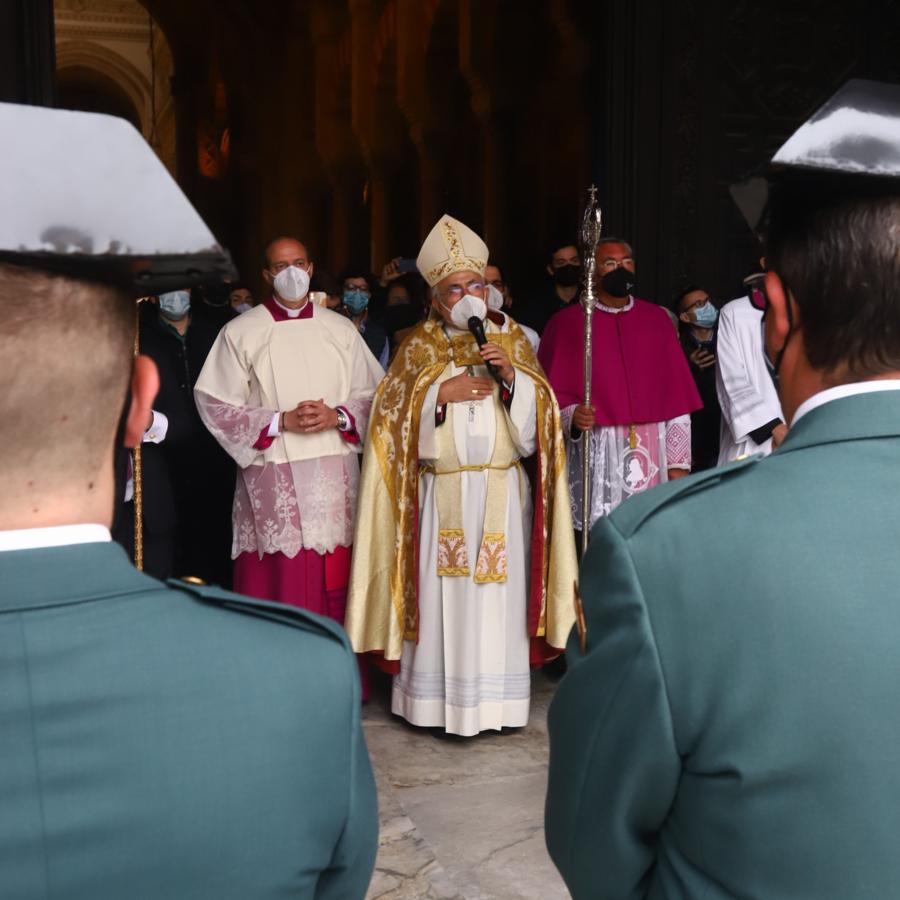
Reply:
x=291 y=313
x=615 y=310
x=844 y=390
x=57 y=536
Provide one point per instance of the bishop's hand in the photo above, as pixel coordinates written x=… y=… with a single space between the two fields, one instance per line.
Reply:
x=463 y=388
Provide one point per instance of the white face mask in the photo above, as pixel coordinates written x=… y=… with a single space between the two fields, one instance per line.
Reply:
x=242 y=308
x=494 y=297
x=467 y=307
x=292 y=283
x=175 y=305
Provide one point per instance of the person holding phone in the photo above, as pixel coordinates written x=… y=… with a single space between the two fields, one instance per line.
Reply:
x=697 y=318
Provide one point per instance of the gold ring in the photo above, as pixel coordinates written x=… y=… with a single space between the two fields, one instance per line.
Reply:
x=474 y=390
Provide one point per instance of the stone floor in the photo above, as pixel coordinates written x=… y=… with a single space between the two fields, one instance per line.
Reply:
x=461 y=818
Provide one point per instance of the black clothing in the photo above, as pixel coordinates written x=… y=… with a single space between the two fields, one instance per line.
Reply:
x=400 y=318
x=188 y=479
x=705 y=422
x=211 y=315
x=536 y=312
x=375 y=337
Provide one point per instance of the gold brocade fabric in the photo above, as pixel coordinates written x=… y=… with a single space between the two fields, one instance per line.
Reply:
x=452 y=560
x=382 y=603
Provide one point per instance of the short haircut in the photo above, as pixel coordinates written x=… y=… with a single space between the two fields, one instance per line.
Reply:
x=358 y=272
x=275 y=240
x=67 y=348
x=835 y=243
x=681 y=293
x=558 y=242
x=616 y=240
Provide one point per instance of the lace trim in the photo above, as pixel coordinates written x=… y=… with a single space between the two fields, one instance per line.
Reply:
x=615 y=310
x=617 y=469
x=289 y=507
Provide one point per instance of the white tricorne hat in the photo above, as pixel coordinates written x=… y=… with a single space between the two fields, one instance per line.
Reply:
x=451 y=247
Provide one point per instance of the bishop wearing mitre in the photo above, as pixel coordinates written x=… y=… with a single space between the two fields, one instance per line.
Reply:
x=463 y=568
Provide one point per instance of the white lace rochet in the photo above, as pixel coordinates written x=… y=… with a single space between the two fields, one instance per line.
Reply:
x=617 y=469
x=285 y=507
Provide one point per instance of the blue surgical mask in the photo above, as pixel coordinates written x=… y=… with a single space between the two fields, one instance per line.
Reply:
x=175 y=305
x=705 y=316
x=356 y=300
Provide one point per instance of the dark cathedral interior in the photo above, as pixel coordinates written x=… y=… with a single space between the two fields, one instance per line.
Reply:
x=356 y=123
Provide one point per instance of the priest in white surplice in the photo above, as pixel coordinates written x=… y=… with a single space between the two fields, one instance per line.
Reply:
x=463 y=571
x=286 y=390
x=752 y=420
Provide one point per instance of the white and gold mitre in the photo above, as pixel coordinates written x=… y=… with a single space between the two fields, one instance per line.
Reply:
x=451 y=247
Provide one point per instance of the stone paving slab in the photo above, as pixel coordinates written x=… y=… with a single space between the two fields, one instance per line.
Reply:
x=461 y=818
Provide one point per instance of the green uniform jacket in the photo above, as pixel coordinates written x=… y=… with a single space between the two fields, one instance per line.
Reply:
x=173 y=742
x=733 y=730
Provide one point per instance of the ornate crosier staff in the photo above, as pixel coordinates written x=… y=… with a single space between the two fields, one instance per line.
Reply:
x=591 y=226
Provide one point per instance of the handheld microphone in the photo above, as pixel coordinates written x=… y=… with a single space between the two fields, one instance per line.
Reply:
x=476 y=326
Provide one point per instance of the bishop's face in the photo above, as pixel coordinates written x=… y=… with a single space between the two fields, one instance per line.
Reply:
x=450 y=290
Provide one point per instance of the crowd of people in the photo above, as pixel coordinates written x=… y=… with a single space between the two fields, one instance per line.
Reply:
x=726 y=726
x=442 y=525
x=421 y=533
x=657 y=412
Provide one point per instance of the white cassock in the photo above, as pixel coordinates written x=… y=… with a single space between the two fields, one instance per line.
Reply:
x=746 y=391
x=470 y=669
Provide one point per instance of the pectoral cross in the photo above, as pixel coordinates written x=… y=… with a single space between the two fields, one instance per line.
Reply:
x=470 y=371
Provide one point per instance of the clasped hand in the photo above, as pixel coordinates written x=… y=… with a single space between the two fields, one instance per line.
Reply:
x=309 y=417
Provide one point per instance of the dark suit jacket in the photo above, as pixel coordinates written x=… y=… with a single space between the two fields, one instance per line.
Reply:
x=733 y=729
x=173 y=742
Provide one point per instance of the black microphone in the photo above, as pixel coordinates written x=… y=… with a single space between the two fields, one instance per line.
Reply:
x=476 y=326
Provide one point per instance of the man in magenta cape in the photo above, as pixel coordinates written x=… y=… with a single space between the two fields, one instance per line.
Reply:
x=642 y=390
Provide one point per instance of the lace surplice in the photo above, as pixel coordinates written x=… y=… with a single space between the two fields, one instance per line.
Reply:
x=617 y=469
x=285 y=507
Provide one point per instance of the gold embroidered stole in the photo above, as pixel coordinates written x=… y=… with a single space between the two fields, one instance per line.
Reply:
x=452 y=556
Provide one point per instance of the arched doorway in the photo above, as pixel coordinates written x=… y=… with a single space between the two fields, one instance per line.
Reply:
x=112 y=57
x=88 y=90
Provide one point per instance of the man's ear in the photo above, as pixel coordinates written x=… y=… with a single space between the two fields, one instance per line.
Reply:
x=144 y=388
x=550 y=271
x=685 y=317
x=311 y=269
x=777 y=324
x=267 y=276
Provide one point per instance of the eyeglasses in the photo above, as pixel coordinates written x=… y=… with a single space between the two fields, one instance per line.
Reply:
x=458 y=291
x=696 y=303
x=610 y=264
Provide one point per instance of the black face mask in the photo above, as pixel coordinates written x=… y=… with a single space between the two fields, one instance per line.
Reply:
x=618 y=283
x=568 y=275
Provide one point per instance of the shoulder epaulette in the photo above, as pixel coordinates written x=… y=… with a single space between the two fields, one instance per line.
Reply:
x=275 y=612
x=629 y=517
